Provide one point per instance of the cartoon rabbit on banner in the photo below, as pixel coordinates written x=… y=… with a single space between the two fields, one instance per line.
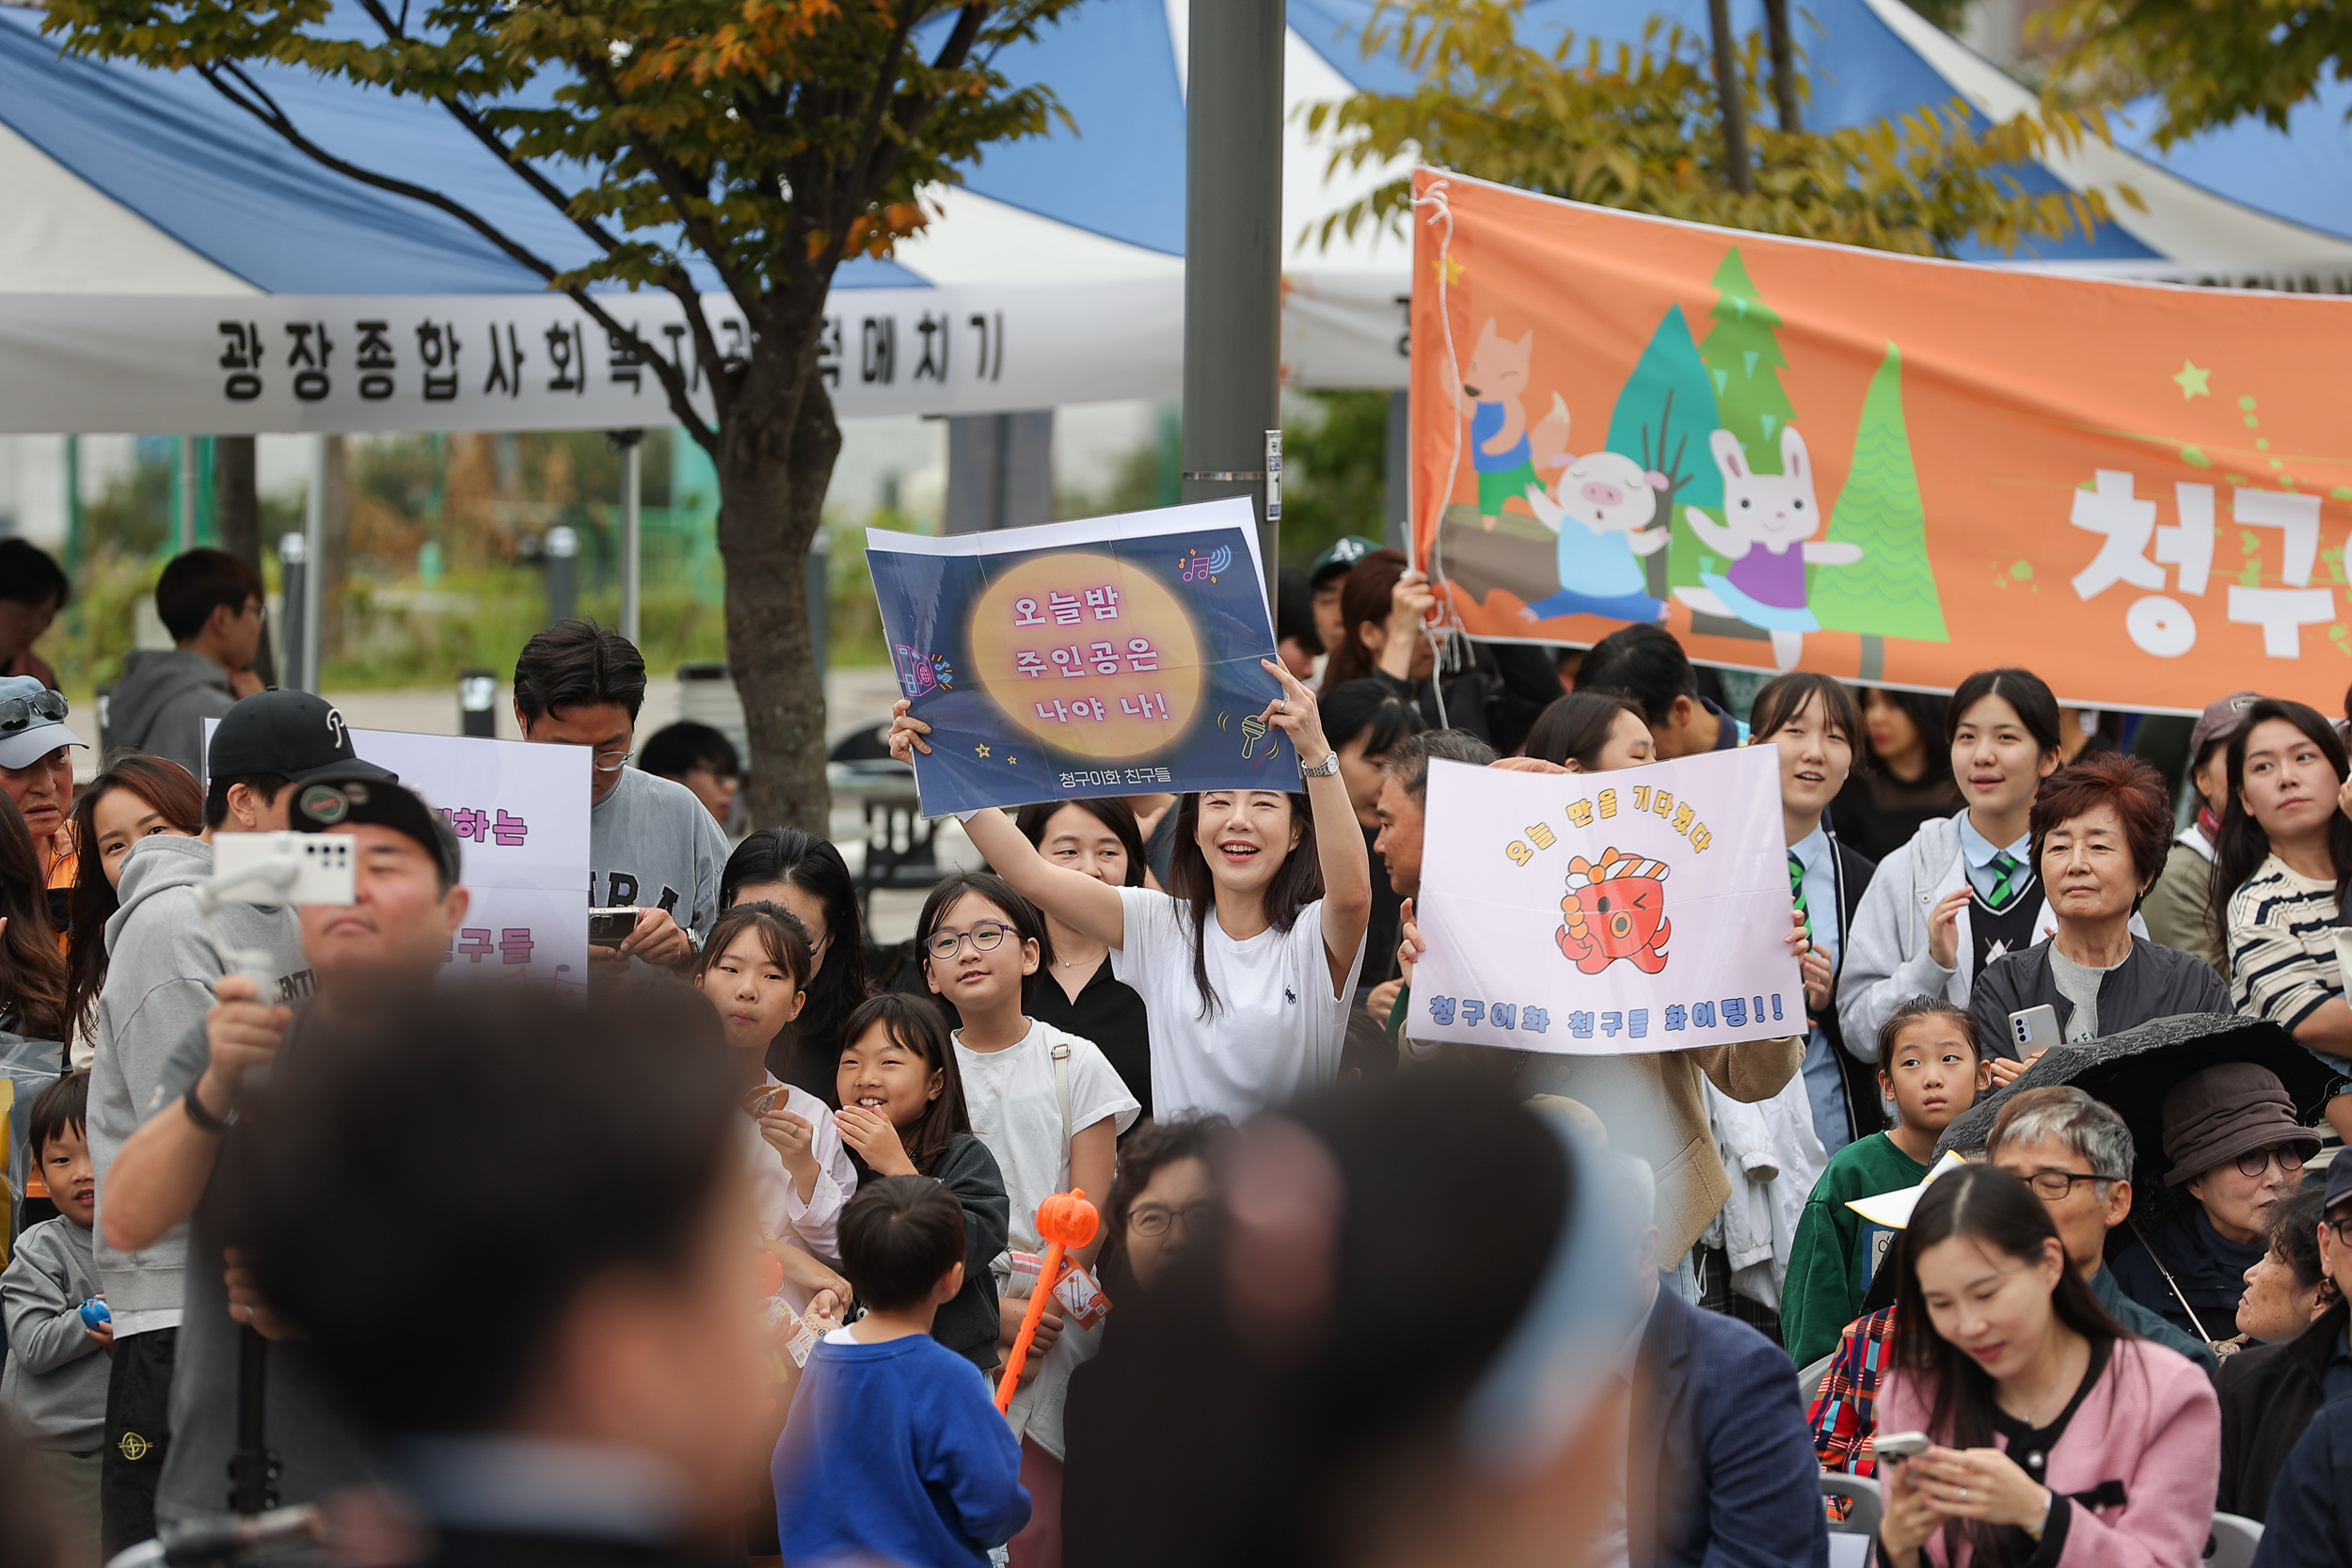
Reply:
x=1767 y=536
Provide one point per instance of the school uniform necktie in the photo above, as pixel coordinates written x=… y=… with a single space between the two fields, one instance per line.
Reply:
x=1796 y=892
x=2008 y=882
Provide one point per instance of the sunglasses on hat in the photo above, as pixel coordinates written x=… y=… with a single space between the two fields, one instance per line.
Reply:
x=18 y=713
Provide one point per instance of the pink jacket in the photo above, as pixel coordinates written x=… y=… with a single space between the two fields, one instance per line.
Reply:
x=2151 y=1422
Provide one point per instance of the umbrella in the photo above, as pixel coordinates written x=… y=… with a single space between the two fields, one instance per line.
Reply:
x=2134 y=1070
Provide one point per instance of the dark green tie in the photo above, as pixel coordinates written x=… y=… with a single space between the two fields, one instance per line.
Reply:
x=1796 y=892
x=2008 y=881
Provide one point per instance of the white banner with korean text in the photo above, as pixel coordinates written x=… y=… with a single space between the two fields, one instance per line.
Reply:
x=1607 y=913
x=279 y=363
x=520 y=813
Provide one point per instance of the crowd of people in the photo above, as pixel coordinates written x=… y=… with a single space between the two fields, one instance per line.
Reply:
x=737 y=1256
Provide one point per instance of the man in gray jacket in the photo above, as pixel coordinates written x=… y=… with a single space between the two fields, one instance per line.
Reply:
x=166 y=956
x=211 y=602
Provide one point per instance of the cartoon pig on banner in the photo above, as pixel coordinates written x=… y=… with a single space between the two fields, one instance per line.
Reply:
x=1767 y=535
x=1607 y=503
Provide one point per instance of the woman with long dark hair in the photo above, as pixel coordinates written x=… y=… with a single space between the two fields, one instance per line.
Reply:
x=2279 y=876
x=806 y=874
x=1898 y=781
x=1591 y=732
x=2056 y=1433
x=1074 y=990
x=1247 y=963
x=136 y=796
x=32 y=970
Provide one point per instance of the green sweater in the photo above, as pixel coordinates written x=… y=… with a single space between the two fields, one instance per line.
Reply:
x=1836 y=1250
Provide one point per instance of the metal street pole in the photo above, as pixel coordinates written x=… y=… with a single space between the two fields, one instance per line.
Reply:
x=185 y=506
x=1233 y=254
x=633 y=488
x=314 y=556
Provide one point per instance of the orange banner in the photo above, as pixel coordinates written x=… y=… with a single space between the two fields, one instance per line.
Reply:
x=1890 y=470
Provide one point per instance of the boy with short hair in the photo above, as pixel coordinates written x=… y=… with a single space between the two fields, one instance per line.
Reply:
x=1932 y=1065
x=54 y=1388
x=211 y=603
x=894 y=1452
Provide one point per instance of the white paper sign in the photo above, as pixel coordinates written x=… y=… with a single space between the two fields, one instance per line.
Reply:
x=520 y=813
x=1607 y=913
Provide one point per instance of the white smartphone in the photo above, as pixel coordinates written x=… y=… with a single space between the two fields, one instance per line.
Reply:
x=1901 y=1445
x=282 y=868
x=2034 y=1030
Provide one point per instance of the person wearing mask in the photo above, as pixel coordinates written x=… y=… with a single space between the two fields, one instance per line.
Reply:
x=2056 y=1434
x=1384 y=605
x=1811 y=720
x=139 y=798
x=1075 y=991
x=212 y=605
x=2236 y=1149
x=610 y=1410
x=1648 y=665
x=2179 y=909
x=805 y=873
x=2099 y=840
x=2279 y=876
x=387 y=944
x=1398 y=810
x=1325 y=576
x=2075 y=1153
x=2270 y=1393
x=651 y=842
x=1247 y=965
x=33 y=997
x=1590 y=731
x=32 y=591
x=1903 y=780
x=1365 y=720
x=35 y=774
x=168 y=961
x=1962 y=892
x=700 y=758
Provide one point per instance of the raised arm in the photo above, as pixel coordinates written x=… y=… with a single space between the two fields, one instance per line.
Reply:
x=1338 y=838
x=1072 y=897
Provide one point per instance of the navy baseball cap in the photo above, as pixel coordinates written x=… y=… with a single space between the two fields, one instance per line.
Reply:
x=293 y=734
x=32 y=721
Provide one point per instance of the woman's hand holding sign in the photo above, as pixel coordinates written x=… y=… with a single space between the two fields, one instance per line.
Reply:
x=907 y=733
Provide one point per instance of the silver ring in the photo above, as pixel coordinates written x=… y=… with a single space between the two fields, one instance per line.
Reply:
x=1281 y=704
x=1964 y=1494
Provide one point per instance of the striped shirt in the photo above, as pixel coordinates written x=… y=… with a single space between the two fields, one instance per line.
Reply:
x=2282 y=944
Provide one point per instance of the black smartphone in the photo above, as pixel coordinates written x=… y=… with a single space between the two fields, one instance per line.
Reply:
x=610 y=927
x=61 y=908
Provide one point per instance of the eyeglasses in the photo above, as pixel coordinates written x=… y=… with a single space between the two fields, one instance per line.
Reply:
x=2341 y=1226
x=2258 y=1161
x=1156 y=1221
x=2052 y=1186
x=986 y=938
x=611 y=762
x=19 y=713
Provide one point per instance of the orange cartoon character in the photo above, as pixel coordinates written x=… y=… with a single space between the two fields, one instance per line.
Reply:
x=1615 y=910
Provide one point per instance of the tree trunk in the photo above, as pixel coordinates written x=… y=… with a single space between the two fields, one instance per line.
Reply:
x=1727 y=88
x=775 y=458
x=1784 y=52
x=237 y=507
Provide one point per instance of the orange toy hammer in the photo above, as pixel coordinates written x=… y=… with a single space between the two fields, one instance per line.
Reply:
x=1065 y=1220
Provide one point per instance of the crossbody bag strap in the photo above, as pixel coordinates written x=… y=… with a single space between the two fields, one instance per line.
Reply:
x=1061 y=1085
x=2150 y=1248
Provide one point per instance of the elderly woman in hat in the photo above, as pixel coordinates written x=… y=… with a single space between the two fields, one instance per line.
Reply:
x=2237 y=1149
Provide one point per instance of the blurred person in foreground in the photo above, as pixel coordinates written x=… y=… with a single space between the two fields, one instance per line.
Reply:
x=598 y=1402
x=388 y=944
x=1285 y=1395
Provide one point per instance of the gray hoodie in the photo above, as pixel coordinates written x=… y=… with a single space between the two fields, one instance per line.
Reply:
x=163 y=957
x=162 y=701
x=56 y=1384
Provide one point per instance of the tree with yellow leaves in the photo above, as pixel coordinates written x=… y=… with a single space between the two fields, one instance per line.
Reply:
x=768 y=139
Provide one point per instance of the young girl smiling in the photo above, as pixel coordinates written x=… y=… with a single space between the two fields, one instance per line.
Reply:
x=902 y=1113
x=1049 y=1108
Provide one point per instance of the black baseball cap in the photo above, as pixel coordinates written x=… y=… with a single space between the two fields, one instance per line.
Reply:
x=332 y=798
x=293 y=734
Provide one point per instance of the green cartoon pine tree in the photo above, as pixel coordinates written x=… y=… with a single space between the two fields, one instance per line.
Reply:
x=1891 y=591
x=1664 y=415
x=1743 y=358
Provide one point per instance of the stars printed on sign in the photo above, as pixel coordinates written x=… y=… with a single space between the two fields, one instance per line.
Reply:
x=979 y=751
x=2192 y=380
x=1449 y=271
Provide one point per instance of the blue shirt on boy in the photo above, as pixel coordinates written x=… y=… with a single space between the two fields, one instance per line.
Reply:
x=895 y=1453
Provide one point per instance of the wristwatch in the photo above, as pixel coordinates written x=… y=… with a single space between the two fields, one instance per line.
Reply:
x=1324 y=769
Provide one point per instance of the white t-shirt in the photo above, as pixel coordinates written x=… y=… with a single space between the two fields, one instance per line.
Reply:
x=1279 y=1027
x=1016 y=1112
x=783 y=1216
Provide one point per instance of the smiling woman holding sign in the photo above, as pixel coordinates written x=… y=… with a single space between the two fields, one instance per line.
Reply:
x=1247 y=967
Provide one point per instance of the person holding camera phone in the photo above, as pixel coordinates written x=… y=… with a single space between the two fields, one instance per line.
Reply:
x=2036 y=1428
x=2101 y=831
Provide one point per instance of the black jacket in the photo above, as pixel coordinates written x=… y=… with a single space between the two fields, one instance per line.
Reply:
x=2268 y=1395
x=1860 y=1079
x=968 y=1324
x=2154 y=982
x=2311 y=1524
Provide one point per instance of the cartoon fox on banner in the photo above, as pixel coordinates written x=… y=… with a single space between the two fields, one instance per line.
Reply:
x=1887 y=468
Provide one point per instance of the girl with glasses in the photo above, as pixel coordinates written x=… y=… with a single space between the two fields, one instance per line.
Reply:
x=1049 y=1108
